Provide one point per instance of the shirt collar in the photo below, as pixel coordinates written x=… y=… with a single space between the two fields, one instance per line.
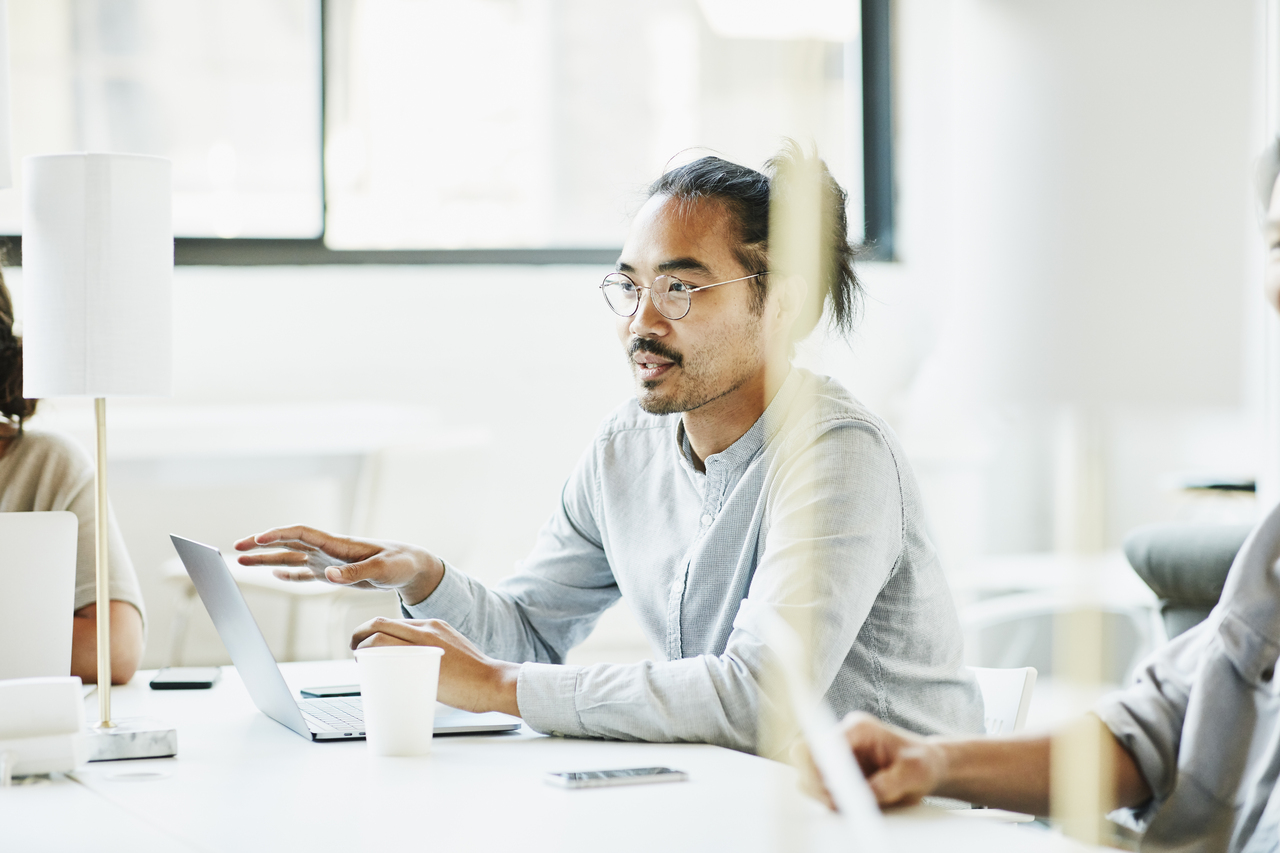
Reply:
x=761 y=433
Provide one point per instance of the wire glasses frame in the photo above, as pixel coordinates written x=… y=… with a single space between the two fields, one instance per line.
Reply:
x=670 y=295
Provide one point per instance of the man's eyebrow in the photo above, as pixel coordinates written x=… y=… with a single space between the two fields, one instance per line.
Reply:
x=621 y=266
x=683 y=265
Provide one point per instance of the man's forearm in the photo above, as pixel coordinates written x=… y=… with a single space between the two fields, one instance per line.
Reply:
x=1014 y=773
x=1006 y=773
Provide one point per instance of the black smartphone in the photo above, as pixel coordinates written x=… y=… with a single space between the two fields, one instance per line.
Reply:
x=186 y=678
x=601 y=778
x=331 y=691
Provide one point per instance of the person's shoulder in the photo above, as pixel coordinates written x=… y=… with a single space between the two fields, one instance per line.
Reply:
x=48 y=449
x=834 y=408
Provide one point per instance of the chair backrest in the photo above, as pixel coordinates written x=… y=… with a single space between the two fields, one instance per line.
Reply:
x=1006 y=693
x=1185 y=565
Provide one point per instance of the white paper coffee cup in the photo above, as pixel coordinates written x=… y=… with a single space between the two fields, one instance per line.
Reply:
x=398 y=691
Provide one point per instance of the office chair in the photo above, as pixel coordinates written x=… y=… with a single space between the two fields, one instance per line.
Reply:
x=1185 y=565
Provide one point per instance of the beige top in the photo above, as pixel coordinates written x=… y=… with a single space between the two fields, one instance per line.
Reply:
x=47 y=472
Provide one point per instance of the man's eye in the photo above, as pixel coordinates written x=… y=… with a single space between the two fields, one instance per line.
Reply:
x=624 y=286
x=678 y=286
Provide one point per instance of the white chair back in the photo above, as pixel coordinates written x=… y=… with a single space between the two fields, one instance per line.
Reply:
x=1006 y=693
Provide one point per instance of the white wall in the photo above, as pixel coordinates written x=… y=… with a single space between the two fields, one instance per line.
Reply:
x=1077 y=232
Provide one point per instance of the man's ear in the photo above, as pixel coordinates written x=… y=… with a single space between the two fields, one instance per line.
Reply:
x=788 y=297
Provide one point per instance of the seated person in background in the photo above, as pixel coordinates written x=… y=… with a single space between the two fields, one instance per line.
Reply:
x=708 y=498
x=45 y=472
x=1195 y=743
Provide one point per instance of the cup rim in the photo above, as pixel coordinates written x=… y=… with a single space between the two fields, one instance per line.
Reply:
x=398 y=651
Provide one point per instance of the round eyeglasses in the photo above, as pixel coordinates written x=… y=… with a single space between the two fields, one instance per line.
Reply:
x=670 y=295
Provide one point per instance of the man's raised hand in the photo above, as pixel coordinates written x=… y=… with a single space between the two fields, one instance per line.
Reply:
x=302 y=553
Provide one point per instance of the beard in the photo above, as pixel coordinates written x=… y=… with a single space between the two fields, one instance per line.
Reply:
x=698 y=391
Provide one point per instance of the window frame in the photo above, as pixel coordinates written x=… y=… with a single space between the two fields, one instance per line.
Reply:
x=878 y=190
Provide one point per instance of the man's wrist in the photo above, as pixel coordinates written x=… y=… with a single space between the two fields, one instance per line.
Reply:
x=941 y=751
x=506 y=680
x=423 y=583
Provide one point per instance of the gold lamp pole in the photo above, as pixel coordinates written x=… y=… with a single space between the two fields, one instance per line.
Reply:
x=102 y=569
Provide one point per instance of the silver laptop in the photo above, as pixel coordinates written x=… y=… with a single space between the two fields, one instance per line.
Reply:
x=38 y=575
x=317 y=719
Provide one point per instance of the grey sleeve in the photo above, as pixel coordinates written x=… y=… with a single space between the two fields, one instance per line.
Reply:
x=1147 y=718
x=552 y=602
x=851 y=534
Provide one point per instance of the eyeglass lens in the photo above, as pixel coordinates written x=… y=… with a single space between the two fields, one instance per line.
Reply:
x=669 y=295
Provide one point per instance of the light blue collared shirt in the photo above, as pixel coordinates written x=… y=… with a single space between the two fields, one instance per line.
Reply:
x=817 y=482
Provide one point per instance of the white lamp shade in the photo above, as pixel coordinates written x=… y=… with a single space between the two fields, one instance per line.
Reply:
x=97 y=257
x=6 y=138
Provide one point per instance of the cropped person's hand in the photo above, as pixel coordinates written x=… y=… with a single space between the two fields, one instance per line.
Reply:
x=900 y=767
x=469 y=679
x=305 y=554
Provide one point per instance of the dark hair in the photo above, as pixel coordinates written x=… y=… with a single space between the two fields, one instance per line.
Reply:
x=745 y=194
x=12 y=405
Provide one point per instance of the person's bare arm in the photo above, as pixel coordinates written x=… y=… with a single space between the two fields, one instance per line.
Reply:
x=1007 y=773
x=126 y=642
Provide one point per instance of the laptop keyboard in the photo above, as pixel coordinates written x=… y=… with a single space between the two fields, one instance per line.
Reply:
x=342 y=714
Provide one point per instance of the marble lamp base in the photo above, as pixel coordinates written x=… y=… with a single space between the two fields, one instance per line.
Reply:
x=132 y=737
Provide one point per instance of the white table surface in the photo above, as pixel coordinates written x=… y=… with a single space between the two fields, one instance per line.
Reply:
x=244 y=782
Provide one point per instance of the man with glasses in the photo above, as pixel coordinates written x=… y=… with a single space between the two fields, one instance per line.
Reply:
x=732 y=485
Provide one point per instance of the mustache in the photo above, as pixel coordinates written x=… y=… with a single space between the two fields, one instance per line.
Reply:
x=655 y=347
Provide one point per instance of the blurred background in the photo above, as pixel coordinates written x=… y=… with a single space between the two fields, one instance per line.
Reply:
x=385 y=206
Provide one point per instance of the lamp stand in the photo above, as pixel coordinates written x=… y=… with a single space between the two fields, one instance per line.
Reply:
x=101 y=568
x=134 y=737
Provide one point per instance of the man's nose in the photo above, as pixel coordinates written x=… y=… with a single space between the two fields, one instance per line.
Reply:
x=648 y=321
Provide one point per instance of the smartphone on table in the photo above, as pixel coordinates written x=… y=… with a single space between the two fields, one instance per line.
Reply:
x=330 y=691
x=186 y=678
x=603 y=778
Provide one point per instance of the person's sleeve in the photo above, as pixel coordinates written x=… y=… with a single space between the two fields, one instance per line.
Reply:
x=1147 y=718
x=77 y=496
x=556 y=596
x=835 y=533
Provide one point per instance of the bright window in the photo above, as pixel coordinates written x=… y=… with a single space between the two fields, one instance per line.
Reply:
x=537 y=123
x=450 y=124
x=227 y=89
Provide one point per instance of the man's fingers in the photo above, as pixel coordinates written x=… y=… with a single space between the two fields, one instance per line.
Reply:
x=294 y=575
x=381 y=639
x=902 y=782
x=414 y=633
x=273 y=558
x=892 y=788
x=281 y=536
x=365 y=570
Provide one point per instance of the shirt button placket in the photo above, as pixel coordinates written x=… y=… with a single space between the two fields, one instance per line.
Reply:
x=674 y=644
